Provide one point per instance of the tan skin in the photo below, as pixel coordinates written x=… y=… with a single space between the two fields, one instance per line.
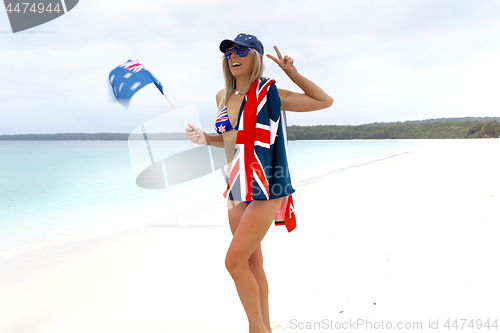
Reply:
x=250 y=222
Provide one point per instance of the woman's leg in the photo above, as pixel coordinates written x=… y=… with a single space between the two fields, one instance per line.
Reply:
x=249 y=225
x=255 y=263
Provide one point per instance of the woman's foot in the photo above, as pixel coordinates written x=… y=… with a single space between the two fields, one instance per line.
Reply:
x=263 y=330
x=278 y=328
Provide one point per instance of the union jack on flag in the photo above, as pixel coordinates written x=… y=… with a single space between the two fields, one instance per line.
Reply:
x=128 y=78
x=134 y=66
x=260 y=167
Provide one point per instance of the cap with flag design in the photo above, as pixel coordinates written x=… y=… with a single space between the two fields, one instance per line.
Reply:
x=244 y=40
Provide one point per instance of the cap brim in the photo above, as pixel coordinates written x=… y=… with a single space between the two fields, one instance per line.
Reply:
x=225 y=44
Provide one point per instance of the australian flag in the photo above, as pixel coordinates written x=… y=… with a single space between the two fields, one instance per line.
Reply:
x=129 y=78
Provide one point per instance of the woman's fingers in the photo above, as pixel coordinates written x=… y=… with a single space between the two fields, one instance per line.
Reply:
x=194 y=134
x=195 y=138
x=286 y=63
x=273 y=58
x=189 y=130
x=277 y=52
x=278 y=60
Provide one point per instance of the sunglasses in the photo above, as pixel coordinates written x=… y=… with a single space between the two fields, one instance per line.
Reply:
x=241 y=51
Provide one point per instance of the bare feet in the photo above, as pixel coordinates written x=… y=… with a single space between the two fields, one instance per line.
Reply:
x=259 y=329
x=278 y=328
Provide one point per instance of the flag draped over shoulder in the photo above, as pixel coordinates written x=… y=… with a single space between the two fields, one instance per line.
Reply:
x=128 y=78
x=259 y=170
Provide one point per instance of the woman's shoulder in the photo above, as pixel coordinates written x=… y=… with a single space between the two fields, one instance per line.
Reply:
x=219 y=96
x=220 y=93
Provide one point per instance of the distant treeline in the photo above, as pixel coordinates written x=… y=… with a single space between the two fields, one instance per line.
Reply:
x=451 y=128
x=443 y=128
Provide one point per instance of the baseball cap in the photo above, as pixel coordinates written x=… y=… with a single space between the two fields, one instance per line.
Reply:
x=244 y=40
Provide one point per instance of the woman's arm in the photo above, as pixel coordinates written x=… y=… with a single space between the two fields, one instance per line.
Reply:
x=313 y=98
x=198 y=136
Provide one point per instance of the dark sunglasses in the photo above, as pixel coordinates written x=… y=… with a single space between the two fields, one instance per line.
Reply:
x=241 y=51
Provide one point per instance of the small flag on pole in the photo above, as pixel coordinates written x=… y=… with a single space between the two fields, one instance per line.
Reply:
x=129 y=78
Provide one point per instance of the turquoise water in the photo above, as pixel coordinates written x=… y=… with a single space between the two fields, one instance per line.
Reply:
x=57 y=191
x=43 y=177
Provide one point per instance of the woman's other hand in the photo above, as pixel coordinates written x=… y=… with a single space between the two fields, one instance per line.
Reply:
x=285 y=63
x=313 y=98
x=196 y=135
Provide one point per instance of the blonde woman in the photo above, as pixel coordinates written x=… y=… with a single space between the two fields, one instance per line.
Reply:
x=251 y=127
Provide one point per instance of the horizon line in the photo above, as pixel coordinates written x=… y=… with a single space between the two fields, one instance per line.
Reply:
x=384 y=122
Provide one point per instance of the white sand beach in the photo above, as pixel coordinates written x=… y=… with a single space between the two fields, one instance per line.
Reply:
x=411 y=238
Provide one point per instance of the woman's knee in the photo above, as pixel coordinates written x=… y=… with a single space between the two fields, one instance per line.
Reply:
x=235 y=262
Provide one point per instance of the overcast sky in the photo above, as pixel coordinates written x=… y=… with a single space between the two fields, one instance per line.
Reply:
x=381 y=60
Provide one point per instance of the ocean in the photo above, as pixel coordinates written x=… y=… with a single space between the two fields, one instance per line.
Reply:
x=53 y=192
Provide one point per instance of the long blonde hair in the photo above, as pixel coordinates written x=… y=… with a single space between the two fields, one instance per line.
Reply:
x=257 y=71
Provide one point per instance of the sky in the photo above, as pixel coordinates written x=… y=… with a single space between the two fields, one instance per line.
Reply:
x=381 y=60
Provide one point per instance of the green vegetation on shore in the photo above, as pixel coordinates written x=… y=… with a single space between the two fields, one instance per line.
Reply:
x=444 y=128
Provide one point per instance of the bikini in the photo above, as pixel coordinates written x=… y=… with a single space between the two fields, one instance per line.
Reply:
x=222 y=123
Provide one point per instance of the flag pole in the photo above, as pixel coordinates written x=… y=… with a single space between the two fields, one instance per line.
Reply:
x=176 y=110
x=173 y=106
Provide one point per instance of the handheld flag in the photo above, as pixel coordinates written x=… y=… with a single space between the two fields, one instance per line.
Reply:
x=129 y=78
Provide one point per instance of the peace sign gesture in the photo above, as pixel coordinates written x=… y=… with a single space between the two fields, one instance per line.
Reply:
x=285 y=63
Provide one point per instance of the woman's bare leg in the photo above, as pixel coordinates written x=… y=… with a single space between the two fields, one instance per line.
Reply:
x=249 y=225
x=255 y=263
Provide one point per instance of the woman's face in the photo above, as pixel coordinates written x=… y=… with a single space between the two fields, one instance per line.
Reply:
x=241 y=66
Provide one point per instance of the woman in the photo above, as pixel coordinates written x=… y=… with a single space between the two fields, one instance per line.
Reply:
x=250 y=219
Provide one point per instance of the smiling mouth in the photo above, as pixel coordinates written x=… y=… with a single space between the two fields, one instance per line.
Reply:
x=236 y=64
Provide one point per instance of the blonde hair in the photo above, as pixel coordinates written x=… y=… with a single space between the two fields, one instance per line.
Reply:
x=257 y=71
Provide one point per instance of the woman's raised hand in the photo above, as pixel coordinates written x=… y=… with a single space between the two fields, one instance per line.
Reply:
x=196 y=135
x=285 y=63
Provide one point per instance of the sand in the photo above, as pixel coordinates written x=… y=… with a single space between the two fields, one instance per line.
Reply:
x=411 y=238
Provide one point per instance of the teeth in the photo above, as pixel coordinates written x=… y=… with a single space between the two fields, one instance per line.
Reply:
x=236 y=64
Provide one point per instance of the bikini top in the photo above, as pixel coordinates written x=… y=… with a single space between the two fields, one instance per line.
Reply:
x=222 y=123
